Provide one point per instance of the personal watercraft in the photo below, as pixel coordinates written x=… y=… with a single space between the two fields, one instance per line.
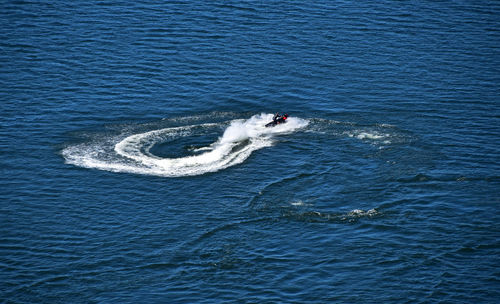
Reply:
x=277 y=119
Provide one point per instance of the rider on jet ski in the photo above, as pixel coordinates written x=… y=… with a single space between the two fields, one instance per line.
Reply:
x=277 y=119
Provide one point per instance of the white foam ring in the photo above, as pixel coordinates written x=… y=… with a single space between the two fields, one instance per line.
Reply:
x=132 y=153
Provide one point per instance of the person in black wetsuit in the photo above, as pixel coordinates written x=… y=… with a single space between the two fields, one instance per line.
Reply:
x=276 y=117
x=279 y=118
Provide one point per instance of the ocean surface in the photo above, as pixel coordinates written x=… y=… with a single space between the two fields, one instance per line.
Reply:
x=136 y=167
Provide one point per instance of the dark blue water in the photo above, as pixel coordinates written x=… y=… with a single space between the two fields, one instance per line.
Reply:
x=136 y=168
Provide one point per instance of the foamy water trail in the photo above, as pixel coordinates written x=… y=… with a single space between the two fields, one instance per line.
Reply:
x=133 y=153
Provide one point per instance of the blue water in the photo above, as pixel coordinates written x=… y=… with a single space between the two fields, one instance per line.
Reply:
x=136 y=168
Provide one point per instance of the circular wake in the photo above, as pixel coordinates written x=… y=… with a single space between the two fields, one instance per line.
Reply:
x=133 y=153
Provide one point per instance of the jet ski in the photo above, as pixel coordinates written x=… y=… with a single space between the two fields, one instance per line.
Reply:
x=277 y=119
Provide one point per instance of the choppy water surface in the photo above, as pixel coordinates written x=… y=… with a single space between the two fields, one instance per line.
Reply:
x=137 y=168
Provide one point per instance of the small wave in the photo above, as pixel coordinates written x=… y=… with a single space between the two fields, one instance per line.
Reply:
x=299 y=203
x=371 y=135
x=361 y=213
x=133 y=152
x=379 y=134
x=316 y=216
